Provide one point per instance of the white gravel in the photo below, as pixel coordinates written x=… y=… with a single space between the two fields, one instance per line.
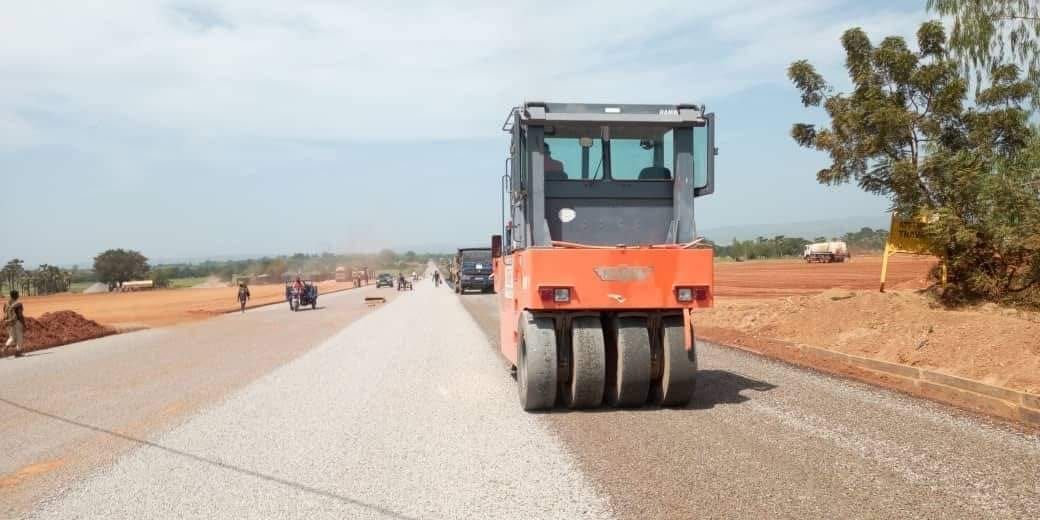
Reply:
x=406 y=413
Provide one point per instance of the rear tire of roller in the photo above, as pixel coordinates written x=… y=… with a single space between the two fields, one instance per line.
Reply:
x=588 y=363
x=536 y=363
x=631 y=377
x=678 y=367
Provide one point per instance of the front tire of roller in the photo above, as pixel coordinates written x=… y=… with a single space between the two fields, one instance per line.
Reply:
x=631 y=375
x=536 y=363
x=678 y=367
x=588 y=363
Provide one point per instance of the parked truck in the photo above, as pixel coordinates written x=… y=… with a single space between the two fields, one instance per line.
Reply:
x=471 y=269
x=826 y=252
x=342 y=274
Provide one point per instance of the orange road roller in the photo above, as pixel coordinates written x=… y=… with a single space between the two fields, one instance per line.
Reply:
x=598 y=267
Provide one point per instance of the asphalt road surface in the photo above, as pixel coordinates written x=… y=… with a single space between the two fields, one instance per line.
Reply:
x=763 y=439
x=408 y=411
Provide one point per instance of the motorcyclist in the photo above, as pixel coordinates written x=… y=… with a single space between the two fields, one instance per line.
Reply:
x=436 y=279
x=298 y=286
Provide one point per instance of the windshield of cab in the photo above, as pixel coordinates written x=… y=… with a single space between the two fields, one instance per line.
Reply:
x=643 y=154
x=476 y=261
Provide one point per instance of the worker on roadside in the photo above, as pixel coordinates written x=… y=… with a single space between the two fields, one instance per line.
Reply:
x=243 y=295
x=14 y=320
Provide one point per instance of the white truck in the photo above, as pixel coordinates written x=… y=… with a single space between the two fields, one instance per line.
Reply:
x=826 y=252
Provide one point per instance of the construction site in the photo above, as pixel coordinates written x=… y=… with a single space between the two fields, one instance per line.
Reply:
x=272 y=281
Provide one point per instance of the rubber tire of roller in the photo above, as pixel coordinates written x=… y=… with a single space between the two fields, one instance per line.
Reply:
x=679 y=367
x=588 y=363
x=632 y=380
x=536 y=363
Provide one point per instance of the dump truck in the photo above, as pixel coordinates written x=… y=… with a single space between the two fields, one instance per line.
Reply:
x=598 y=265
x=471 y=269
x=342 y=275
x=826 y=252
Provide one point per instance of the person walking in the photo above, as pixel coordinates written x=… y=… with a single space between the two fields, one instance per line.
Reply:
x=436 y=279
x=14 y=320
x=243 y=295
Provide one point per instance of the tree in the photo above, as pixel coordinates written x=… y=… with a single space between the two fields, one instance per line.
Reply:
x=989 y=33
x=12 y=273
x=116 y=266
x=904 y=133
x=46 y=279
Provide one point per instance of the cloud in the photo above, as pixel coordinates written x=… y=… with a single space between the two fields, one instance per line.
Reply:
x=359 y=71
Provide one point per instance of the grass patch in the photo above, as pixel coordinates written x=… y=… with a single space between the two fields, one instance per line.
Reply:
x=78 y=287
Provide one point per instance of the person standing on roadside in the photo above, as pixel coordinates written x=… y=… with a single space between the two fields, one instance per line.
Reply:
x=14 y=320
x=243 y=295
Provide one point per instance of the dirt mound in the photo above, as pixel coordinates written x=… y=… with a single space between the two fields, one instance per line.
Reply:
x=989 y=343
x=59 y=328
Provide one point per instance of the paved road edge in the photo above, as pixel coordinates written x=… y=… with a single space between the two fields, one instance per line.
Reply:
x=995 y=401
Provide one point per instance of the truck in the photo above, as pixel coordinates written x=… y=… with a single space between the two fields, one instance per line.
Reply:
x=342 y=275
x=598 y=266
x=471 y=269
x=826 y=252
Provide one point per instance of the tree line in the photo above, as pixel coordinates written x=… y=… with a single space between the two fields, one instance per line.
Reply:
x=45 y=279
x=866 y=240
x=114 y=267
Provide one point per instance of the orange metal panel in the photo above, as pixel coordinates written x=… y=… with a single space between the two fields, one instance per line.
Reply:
x=601 y=279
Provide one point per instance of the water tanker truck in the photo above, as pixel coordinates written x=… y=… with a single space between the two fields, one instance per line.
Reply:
x=826 y=252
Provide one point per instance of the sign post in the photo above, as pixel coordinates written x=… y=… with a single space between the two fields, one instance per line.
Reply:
x=907 y=236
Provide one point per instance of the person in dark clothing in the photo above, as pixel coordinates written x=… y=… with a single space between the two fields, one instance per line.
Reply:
x=243 y=295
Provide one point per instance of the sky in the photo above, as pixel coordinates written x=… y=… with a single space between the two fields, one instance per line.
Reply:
x=188 y=129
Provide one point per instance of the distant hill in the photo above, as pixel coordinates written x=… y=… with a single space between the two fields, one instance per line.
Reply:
x=830 y=228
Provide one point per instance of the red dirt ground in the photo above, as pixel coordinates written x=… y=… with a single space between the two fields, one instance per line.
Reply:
x=161 y=307
x=775 y=278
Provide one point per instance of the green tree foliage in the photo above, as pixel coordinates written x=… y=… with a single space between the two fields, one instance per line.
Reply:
x=116 y=266
x=12 y=274
x=47 y=279
x=866 y=239
x=777 y=247
x=904 y=132
x=160 y=277
x=989 y=33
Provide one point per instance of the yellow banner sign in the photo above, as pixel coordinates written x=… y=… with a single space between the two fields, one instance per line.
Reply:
x=907 y=236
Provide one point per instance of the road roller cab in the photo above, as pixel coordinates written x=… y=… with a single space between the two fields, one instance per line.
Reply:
x=598 y=266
